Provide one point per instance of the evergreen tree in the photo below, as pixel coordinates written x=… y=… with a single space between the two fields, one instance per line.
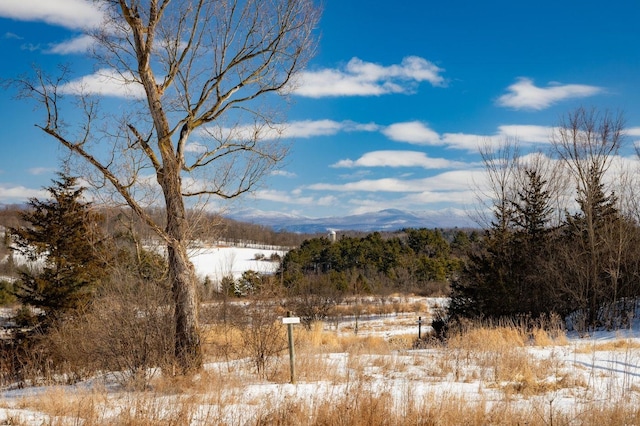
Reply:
x=504 y=276
x=532 y=241
x=61 y=235
x=589 y=234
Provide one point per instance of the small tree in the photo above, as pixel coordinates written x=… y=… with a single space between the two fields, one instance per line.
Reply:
x=66 y=247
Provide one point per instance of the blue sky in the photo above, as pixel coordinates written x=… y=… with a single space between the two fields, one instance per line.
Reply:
x=392 y=109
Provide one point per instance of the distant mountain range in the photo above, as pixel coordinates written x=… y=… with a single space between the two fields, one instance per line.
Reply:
x=384 y=220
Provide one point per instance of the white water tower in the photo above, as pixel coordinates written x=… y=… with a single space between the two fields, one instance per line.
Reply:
x=332 y=236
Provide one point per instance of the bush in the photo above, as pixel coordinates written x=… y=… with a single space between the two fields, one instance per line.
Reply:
x=127 y=330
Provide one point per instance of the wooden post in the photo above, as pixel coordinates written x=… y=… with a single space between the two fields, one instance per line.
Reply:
x=289 y=320
x=419 y=328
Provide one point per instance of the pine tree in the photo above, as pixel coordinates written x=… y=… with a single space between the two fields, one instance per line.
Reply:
x=61 y=235
x=532 y=242
x=503 y=276
x=587 y=233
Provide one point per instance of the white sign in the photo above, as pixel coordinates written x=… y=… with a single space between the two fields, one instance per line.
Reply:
x=291 y=320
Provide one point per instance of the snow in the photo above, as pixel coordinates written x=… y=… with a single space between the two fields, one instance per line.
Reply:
x=215 y=262
x=221 y=261
x=602 y=368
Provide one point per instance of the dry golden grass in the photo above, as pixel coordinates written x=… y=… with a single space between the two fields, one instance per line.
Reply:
x=355 y=405
x=360 y=345
x=487 y=338
x=498 y=355
x=222 y=341
x=542 y=338
x=355 y=375
x=612 y=345
x=381 y=306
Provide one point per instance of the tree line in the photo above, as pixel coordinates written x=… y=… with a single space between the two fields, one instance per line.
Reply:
x=563 y=230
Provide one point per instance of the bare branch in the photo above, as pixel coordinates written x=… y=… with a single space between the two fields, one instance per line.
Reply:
x=200 y=63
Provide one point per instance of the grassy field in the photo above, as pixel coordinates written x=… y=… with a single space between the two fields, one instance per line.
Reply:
x=502 y=374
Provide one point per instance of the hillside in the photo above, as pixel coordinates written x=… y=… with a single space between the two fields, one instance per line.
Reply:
x=384 y=220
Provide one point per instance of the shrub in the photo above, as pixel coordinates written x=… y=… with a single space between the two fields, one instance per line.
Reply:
x=127 y=330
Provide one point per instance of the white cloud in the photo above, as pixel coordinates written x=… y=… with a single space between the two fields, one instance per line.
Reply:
x=30 y=47
x=463 y=141
x=12 y=36
x=303 y=129
x=10 y=194
x=462 y=197
x=448 y=181
x=633 y=131
x=283 y=173
x=294 y=197
x=414 y=132
x=79 y=44
x=368 y=185
x=525 y=95
x=418 y=133
x=74 y=14
x=399 y=159
x=105 y=82
x=311 y=128
x=40 y=170
x=360 y=78
x=527 y=133
x=195 y=147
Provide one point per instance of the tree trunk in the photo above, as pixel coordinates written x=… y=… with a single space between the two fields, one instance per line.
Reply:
x=188 y=351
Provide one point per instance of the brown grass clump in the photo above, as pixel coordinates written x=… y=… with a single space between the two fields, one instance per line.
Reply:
x=356 y=345
x=485 y=338
x=222 y=341
x=612 y=345
x=498 y=354
x=316 y=339
x=401 y=341
x=542 y=338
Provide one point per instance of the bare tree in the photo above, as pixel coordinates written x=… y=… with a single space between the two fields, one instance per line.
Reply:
x=195 y=72
x=498 y=191
x=586 y=142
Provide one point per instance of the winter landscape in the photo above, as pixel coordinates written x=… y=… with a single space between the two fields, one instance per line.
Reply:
x=362 y=367
x=297 y=212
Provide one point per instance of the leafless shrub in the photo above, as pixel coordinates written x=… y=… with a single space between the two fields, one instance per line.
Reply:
x=127 y=330
x=263 y=336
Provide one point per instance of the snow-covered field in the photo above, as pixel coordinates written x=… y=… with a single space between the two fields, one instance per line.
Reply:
x=217 y=261
x=571 y=377
x=221 y=261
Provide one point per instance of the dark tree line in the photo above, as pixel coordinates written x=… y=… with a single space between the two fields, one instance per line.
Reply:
x=414 y=260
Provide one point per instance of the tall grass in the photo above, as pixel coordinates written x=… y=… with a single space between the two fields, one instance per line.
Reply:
x=499 y=374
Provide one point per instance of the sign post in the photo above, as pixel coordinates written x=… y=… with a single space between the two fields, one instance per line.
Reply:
x=289 y=320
